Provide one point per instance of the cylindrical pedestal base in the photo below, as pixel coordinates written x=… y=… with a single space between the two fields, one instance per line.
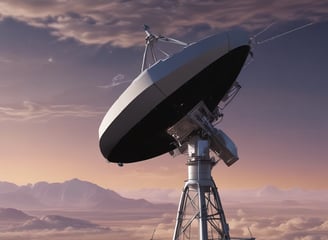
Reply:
x=200 y=215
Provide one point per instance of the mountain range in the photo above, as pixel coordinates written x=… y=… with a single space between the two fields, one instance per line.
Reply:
x=73 y=194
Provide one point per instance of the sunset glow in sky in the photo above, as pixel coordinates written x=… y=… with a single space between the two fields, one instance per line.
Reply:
x=63 y=64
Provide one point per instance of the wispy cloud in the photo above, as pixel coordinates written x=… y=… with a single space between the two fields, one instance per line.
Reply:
x=117 y=80
x=277 y=227
x=5 y=60
x=31 y=110
x=57 y=222
x=52 y=234
x=119 y=23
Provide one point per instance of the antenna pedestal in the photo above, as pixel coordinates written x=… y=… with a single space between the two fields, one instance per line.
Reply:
x=200 y=213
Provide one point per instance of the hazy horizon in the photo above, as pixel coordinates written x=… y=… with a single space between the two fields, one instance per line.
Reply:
x=172 y=195
x=269 y=213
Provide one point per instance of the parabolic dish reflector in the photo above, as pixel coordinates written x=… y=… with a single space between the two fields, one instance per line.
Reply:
x=135 y=127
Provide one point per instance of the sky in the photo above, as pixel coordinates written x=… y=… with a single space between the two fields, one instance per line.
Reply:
x=64 y=63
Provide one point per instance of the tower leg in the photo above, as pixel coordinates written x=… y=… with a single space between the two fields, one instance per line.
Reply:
x=200 y=214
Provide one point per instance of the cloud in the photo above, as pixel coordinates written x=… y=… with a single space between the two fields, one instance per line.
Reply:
x=58 y=223
x=31 y=110
x=264 y=222
x=294 y=228
x=5 y=60
x=117 y=80
x=274 y=223
x=119 y=23
x=268 y=213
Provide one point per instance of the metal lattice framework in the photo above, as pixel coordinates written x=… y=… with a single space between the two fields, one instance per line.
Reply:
x=200 y=214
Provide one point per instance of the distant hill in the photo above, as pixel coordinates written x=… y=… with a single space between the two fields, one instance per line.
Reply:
x=11 y=214
x=72 y=194
x=56 y=222
x=16 y=220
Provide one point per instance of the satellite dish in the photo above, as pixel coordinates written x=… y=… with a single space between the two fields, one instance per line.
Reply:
x=135 y=127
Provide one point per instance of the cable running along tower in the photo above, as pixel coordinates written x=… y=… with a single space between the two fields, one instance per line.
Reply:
x=172 y=107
